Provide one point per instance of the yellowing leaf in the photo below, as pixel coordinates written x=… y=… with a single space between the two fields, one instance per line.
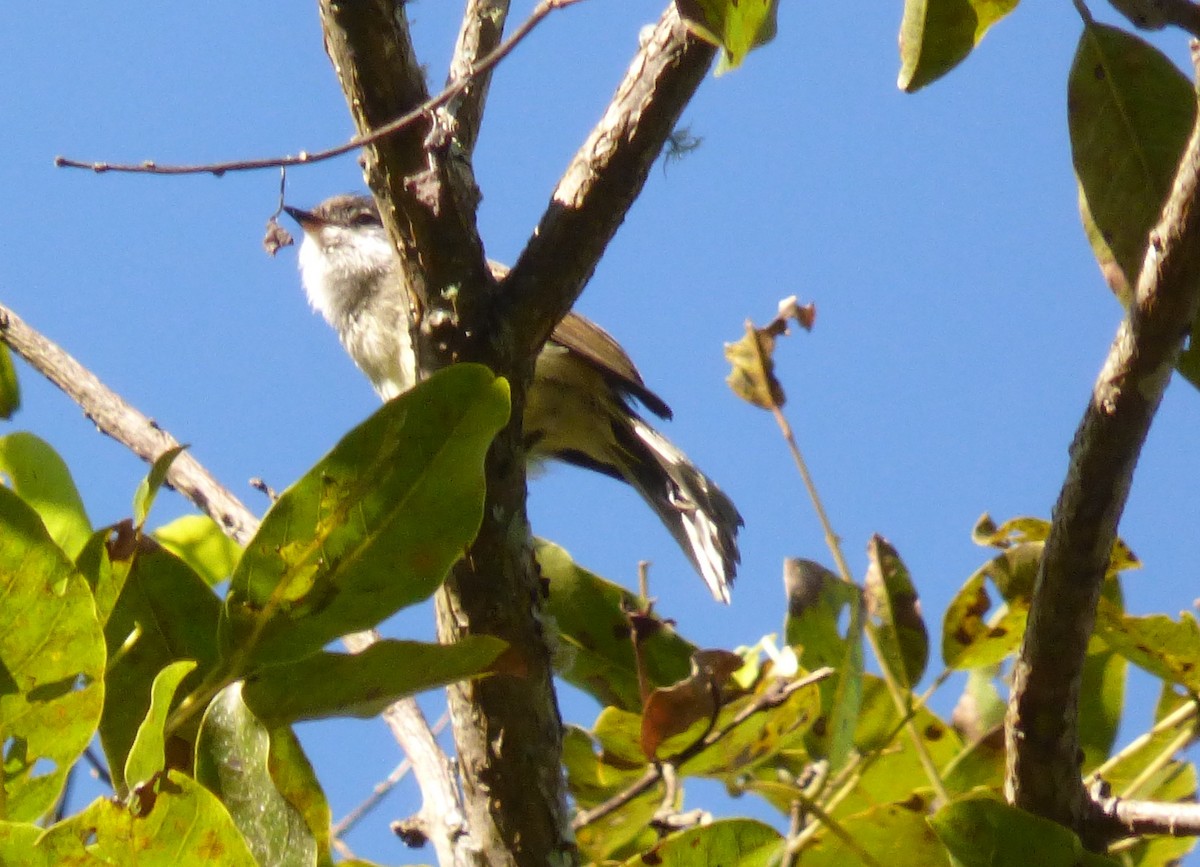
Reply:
x=737 y=26
x=937 y=35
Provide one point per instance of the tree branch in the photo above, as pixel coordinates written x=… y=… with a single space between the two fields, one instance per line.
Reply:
x=113 y=416
x=1043 y=747
x=441 y=815
x=475 y=67
x=603 y=180
x=507 y=729
x=482 y=27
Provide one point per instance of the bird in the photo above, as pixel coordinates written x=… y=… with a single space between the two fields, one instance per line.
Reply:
x=579 y=406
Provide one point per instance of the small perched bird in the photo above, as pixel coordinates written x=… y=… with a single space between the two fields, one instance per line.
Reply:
x=578 y=405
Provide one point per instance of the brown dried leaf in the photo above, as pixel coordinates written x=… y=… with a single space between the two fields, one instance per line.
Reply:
x=672 y=710
x=753 y=375
x=276 y=237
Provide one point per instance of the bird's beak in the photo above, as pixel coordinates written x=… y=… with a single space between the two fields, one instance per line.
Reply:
x=306 y=219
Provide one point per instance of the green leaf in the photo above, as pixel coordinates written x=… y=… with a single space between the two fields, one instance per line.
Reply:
x=816 y=598
x=10 y=389
x=937 y=35
x=1130 y=112
x=39 y=475
x=737 y=26
x=232 y=762
x=970 y=641
x=295 y=779
x=51 y=663
x=374 y=526
x=896 y=834
x=147 y=755
x=595 y=777
x=148 y=488
x=893 y=604
x=164 y=613
x=980 y=831
x=743 y=842
x=1101 y=699
x=16 y=844
x=174 y=821
x=1167 y=648
x=896 y=772
x=595 y=646
x=199 y=542
x=363 y=684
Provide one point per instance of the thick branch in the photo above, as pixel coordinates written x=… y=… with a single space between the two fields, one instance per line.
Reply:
x=113 y=416
x=507 y=729
x=1043 y=746
x=603 y=180
x=427 y=196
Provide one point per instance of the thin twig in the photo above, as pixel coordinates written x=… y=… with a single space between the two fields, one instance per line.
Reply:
x=305 y=157
x=835 y=548
x=381 y=789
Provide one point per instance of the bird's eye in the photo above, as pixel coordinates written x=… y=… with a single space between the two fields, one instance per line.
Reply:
x=365 y=218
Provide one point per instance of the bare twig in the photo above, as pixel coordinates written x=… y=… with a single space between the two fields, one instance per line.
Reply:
x=455 y=88
x=113 y=416
x=1136 y=818
x=1043 y=743
x=381 y=789
x=441 y=811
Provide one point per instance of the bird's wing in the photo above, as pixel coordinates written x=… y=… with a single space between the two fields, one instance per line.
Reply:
x=597 y=347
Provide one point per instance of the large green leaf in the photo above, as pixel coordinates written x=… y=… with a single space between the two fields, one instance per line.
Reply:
x=981 y=831
x=363 y=684
x=296 y=781
x=595 y=645
x=173 y=822
x=896 y=834
x=51 y=662
x=374 y=526
x=40 y=476
x=937 y=35
x=1167 y=648
x=1131 y=112
x=743 y=842
x=232 y=761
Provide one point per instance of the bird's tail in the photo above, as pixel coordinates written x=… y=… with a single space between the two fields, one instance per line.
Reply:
x=701 y=518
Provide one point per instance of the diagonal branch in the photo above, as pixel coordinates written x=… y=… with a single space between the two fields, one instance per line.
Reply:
x=482 y=27
x=115 y=417
x=604 y=179
x=1043 y=745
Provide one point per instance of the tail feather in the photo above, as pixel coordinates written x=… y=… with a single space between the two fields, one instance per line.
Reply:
x=701 y=518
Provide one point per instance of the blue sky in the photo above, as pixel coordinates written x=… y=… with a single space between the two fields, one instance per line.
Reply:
x=961 y=317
